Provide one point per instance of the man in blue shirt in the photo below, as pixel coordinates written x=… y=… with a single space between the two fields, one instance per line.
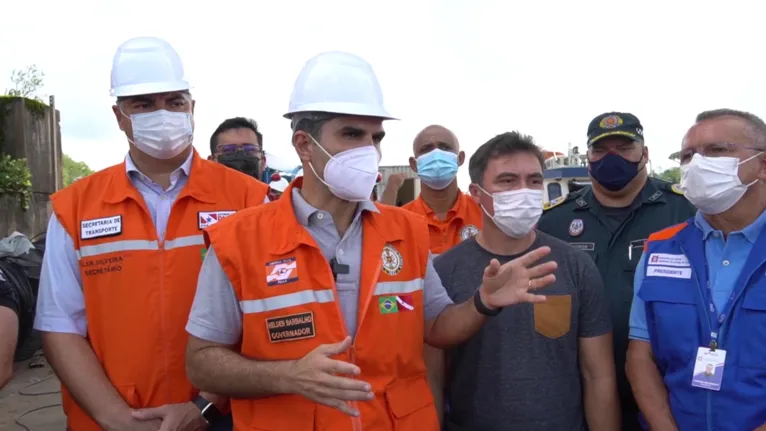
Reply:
x=697 y=356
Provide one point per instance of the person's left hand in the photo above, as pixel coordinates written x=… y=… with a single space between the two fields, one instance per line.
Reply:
x=174 y=417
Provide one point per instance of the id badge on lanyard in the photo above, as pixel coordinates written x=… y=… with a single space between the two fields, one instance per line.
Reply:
x=710 y=361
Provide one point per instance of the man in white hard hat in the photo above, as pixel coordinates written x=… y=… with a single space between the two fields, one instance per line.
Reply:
x=276 y=188
x=123 y=250
x=329 y=284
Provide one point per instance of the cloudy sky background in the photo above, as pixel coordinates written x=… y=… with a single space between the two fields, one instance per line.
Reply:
x=479 y=67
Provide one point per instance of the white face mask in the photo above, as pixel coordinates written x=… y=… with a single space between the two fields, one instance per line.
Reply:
x=350 y=175
x=516 y=211
x=162 y=134
x=712 y=184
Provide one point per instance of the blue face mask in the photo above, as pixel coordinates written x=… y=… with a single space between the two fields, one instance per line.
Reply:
x=613 y=172
x=437 y=168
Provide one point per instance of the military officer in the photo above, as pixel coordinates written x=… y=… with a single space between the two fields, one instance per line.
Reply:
x=611 y=219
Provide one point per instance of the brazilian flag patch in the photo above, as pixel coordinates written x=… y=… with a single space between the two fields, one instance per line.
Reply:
x=388 y=305
x=203 y=252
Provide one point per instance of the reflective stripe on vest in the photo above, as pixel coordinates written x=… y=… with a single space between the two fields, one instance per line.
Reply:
x=323 y=296
x=138 y=244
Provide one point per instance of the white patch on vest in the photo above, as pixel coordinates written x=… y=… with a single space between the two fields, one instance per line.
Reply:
x=209 y=218
x=668 y=271
x=101 y=227
x=668 y=259
x=392 y=260
x=468 y=231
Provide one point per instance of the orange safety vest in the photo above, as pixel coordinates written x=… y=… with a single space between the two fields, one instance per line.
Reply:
x=139 y=290
x=463 y=221
x=289 y=303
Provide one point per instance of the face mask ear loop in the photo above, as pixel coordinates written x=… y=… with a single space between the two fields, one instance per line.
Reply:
x=311 y=165
x=482 y=206
x=747 y=160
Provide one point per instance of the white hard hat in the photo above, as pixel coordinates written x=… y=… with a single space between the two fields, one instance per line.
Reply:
x=280 y=185
x=146 y=65
x=339 y=83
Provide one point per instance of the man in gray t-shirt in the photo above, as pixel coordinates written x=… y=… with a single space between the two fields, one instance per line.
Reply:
x=521 y=370
x=543 y=366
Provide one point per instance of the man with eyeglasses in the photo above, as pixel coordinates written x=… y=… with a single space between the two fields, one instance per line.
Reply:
x=238 y=144
x=611 y=220
x=697 y=356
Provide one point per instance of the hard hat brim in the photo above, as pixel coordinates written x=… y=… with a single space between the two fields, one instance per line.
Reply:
x=279 y=186
x=149 y=88
x=356 y=109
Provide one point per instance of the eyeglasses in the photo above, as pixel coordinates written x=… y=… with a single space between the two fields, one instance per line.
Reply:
x=715 y=149
x=249 y=149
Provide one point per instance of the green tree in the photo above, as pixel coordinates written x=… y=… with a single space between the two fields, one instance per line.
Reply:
x=26 y=83
x=672 y=175
x=73 y=170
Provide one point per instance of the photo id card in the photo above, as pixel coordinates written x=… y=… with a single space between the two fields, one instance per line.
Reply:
x=708 y=369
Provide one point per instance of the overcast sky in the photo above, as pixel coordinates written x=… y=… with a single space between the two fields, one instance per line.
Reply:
x=479 y=67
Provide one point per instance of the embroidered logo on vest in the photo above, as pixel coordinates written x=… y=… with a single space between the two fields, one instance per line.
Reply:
x=392 y=260
x=468 y=231
x=281 y=271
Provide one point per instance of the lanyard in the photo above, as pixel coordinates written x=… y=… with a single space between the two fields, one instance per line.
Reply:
x=716 y=320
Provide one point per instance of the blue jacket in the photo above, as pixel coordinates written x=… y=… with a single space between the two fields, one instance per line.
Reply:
x=679 y=322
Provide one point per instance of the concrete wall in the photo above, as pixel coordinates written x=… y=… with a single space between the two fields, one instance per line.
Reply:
x=31 y=130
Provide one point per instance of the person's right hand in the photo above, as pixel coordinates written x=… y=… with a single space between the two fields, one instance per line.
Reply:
x=395 y=181
x=314 y=378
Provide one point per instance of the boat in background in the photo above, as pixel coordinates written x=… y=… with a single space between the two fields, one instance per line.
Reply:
x=564 y=173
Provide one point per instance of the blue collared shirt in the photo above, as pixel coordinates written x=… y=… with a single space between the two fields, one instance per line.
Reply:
x=61 y=303
x=725 y=259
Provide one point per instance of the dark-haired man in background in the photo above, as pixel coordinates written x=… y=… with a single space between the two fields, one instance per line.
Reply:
x=238 y=144
x=612 y=219
x=545 y=366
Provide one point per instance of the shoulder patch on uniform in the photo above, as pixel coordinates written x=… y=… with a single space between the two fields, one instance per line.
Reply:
x=676 y=188
x=554 y=203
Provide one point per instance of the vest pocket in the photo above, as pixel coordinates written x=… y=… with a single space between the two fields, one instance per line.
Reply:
x=282 y=413
x=411 y=405
x=752 y=349
x=672 y=311
x=553 y=318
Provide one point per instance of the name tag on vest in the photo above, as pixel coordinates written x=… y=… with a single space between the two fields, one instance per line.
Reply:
x=209 y=218
x=668 y=271
x=291 y=328
x=101 y=227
